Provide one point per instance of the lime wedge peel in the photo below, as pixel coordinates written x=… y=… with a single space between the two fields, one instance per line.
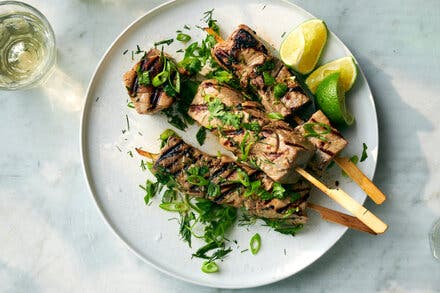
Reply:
x=302 y=47
x=330 y=96
x=347 y=68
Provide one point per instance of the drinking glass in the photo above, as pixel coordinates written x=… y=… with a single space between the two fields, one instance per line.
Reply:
x=434 y=239
x=27 y=46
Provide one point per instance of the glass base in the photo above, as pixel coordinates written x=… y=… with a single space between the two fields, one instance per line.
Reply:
x=434 y=239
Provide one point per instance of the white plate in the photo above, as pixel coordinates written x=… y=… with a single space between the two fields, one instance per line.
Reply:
x=114 y=176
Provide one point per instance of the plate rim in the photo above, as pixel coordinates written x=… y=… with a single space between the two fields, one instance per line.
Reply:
x=87 y=175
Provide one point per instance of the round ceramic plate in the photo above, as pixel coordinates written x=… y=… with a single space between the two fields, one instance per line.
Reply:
x=110 y=131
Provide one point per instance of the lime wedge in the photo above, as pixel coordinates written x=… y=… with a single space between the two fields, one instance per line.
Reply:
x=346 y=66
x=302 y=47
x=330 y=96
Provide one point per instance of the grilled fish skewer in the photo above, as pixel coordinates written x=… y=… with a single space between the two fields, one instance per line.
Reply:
x=245 y=41
x=147 y=98
x=179 y=160
x=326 y=214
x=244 y=128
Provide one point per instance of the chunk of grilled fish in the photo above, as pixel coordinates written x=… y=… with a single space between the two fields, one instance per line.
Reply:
x=147 y=99
x=275 y=147
x=328 y=145
x=177 y=157
x=244 y=54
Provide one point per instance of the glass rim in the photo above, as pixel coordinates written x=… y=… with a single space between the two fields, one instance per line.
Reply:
x=48 y=69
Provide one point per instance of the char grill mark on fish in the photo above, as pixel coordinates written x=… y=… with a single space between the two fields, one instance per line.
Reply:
x=244 y=54
x=147 y=99
x=223 y=171
x=277 y=149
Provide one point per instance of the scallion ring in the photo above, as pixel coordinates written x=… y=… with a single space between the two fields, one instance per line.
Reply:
x=160 y=78
x=209 y=267
x=255 y=243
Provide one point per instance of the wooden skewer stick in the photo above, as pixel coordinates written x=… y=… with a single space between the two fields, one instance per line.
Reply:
x=347 y=202
x=340 y=218
x=359 y=177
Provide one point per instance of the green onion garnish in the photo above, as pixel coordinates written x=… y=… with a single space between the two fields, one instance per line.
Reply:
x=160 y=78
x=183 y=37
x=167 y=42
x=275 y=115
x=209 y=267
x=174 y=207
x=255 y=243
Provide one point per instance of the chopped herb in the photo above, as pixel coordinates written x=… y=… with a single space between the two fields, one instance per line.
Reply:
x=125 y=52
x=186 y=27
x=364 y=155
x=150 y=188
x=174 y=119
x=197 y=180
x=268 y=79
x=283 y=226
x=143 y=165
x=130 y=153
x=130 y=105
x=285 y=253
x=144 y=78
x=167 y=42
x=128 y=122
x=213 y=190
x=309 y=129
x=119 y=148
x=201 y=135
x=255 y=243
x=97 y=98
x=275 y=115
x=279 y=90
x=283 y=34
x=244 y=250
x=267 y=66
x=252 y=126
x=183 y=37
x=209 y=267
x=278 y=190
x=138 y=49
x=179 y=51
x=263 y=7
x=354 y=159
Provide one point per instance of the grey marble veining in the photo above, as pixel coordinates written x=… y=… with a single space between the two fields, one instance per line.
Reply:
x=53 y=239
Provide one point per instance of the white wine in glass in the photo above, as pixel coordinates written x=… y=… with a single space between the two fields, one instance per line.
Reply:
x=27 y=46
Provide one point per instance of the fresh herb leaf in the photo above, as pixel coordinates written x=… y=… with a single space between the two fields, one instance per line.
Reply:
x=130 y=105
x=160 y=78
x=150 y=188
x=283 y=226
x=268 y=79
x=364 y=155
x=279 y=90
x=164 y=136
x=213 y=190
x=180 y=207
x=310 y=130
x=197 y=180
x=266 y=66
x=201 y=135
x=354 y=159
x=278 y=190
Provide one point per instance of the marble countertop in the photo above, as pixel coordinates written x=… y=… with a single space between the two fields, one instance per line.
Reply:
x=54 y=240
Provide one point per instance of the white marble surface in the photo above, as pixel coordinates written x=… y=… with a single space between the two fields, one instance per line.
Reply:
x=53 y=239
